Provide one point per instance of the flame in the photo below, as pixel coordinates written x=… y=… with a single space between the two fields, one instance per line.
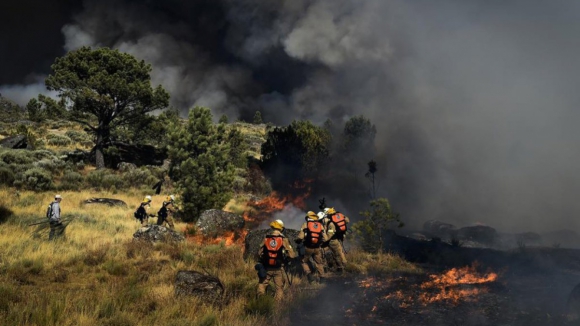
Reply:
x=228 y=238
x=454 y=286
x=263 y=209
x=447 y=285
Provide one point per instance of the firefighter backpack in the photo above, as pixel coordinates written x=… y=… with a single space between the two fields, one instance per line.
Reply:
x=314 y=233
x=273 y=256
x=339 y=222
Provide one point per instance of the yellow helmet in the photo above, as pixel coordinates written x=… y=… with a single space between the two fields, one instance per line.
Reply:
x=146 y=200
x=311 y=215
x=170 y=198
x=276 y=225
x=330 y=211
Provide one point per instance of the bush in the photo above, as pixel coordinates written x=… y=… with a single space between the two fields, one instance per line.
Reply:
x=103 y=179
x=36 y=179
x=71 y=181
x=77 y=136
x=6 y=176
x=17 y=156
x=58 y=140
x=138 y=177
x=54 y=165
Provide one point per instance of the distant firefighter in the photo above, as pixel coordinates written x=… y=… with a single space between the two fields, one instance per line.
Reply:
x=166 y=212
x=53 y=213
x=141 y=212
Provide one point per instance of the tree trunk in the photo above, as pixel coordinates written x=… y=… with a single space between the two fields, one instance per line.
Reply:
x=103 y=137
x=99 y=157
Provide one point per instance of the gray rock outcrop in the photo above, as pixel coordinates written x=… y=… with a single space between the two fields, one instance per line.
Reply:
x=215 y=222
x=106 y=201
x=15 y=142
x=192 y=283
x=157 y=233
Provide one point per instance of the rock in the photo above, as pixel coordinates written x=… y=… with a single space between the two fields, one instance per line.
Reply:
x=254 y=240
x=215 y=222
x=478 y=233
x=439 y=228
x=193 y=283
x=15 y=142
x=155 y=233
x=106 y=201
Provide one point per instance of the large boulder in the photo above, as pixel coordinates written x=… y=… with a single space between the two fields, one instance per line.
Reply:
x=192 y=283
x=106 y=201
x=15 y=142
x=479 y=233
x=157 y=233
x=255 y=239
x=215 y=222
x=439 y=229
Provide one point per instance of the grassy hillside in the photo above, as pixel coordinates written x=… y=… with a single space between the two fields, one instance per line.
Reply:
x=96 y=274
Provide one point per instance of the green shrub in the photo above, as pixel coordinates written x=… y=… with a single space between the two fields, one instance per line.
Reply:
x=104 y=179
x=54 y=165
x=77 y=136
x=43 y=154
x=6 y=176
x=138 y=177
x=71 y=181
x=58 y=140
x=35 y=179
x=17 y=156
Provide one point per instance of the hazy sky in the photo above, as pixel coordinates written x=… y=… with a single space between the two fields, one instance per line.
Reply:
x=475 y=102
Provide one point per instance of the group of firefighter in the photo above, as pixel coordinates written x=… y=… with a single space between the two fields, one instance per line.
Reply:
x=321 y=231
x=164 y=215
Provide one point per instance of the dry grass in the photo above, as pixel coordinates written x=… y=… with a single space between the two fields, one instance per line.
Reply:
x=97 y=276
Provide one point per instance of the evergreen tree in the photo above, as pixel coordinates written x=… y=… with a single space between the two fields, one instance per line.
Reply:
x=370 y=232
x=258 y=118
x=223 y=119
x=201 y=163
x=295 y=152
x=105 y=89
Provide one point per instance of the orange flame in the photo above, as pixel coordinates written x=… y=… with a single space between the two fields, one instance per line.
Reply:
x=263 y=209
x=448 y=284
x=228 y=238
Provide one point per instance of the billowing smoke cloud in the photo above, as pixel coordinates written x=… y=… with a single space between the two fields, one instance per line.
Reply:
x=474 y=102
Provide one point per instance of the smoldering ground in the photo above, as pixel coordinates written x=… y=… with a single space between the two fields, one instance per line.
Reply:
x=474 y=102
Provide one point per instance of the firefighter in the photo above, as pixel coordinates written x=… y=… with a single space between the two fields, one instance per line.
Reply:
x=141 y=212
x=336 y=224
x=53 y=214
x=273 y=254
x=312 y=235
x=165 y=213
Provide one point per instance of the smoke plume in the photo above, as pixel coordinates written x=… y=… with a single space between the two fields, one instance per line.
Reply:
x=474 y=102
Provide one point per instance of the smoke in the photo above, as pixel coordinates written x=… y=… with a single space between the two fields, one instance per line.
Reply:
x=474 y=102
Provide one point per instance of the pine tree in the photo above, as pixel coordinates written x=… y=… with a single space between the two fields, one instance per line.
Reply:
x=258 y=118
x=200 y=163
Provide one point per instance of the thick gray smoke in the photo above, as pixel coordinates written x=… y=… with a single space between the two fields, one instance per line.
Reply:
x=474 y=102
